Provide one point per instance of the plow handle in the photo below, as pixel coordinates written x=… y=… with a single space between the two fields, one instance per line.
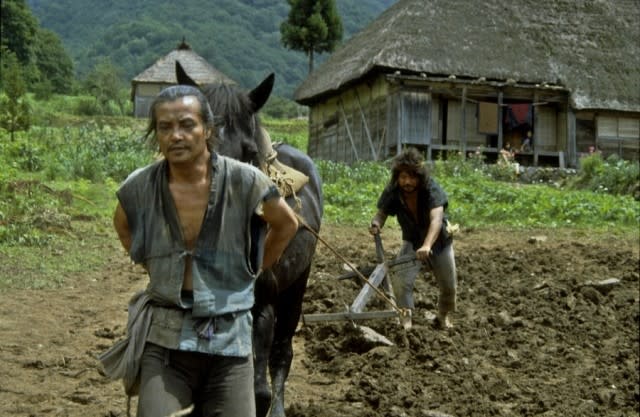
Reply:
x=379 y=249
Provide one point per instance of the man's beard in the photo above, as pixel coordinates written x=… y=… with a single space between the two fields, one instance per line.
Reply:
x=408 y=189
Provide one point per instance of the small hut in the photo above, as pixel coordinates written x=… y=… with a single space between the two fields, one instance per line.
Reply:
x=146 y=85
x=461 y=76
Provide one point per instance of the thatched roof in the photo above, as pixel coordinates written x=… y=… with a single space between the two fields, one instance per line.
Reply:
x=164 y=69
x=591 y=47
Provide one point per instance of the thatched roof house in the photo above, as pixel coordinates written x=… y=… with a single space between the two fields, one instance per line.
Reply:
x=146 y=85
x=581 y=57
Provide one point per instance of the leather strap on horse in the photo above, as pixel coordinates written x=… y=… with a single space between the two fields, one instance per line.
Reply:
x=288 y=180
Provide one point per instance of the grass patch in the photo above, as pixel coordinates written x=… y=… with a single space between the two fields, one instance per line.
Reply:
x=291 y=131
x=75 y=254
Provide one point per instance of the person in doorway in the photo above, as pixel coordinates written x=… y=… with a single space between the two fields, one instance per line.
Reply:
x=204 y=227
x=527 y=142
x=420 y=204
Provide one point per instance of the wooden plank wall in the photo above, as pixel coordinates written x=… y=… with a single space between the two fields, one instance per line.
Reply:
x=349 y=127
x=545 y=131
x=454 y=125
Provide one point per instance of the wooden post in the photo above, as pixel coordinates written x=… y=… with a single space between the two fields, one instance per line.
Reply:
x=534 y=135
x=346 y=125
x=366 y=127
x=463 y=119
x=400 y=121
x=500 y=118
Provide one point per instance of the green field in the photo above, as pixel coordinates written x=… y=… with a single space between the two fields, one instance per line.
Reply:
x=58 y=182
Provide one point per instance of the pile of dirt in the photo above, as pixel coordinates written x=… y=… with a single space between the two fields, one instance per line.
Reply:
x=534 y=335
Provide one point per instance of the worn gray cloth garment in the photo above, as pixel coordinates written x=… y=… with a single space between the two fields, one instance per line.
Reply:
x=122 y=360
x=443 y=267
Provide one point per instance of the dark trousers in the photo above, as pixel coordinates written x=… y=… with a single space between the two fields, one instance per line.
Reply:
x=172 y=380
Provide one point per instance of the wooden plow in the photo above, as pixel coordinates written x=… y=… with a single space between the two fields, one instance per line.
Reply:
x=378 y=279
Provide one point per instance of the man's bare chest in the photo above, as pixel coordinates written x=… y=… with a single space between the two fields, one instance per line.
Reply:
x=410 y=203
x=191 y=206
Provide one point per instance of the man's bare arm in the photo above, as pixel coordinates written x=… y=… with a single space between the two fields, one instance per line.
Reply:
x=121 y=224
x=436 y=217
x=283 y=226
x=377 y=222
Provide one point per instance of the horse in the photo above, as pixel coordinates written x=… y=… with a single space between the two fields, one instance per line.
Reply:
x=277 y=309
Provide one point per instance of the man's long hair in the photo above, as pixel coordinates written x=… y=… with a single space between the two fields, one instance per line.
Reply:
x=173 y=93
x=409 y=160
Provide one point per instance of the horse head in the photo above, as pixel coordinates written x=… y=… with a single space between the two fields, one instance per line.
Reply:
x=240 y=135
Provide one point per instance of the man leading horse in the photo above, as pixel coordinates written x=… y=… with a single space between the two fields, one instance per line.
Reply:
x=204 y=226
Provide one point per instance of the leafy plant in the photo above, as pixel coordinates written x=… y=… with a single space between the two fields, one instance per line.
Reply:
x=613 y=175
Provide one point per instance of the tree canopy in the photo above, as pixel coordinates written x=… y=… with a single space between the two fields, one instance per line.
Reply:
x=18 y=29
x=53 y=62
x=39 y=51
x=312 y=26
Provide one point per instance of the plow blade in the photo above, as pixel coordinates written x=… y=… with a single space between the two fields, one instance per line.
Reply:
x=349 y=315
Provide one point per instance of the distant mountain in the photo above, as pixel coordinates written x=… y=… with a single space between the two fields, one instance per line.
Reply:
x=239 y=37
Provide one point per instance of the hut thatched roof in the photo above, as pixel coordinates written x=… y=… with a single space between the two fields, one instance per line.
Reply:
x=591 y=47
x=164 y=69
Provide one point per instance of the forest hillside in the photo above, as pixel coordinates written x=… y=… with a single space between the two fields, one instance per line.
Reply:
x=241 y=38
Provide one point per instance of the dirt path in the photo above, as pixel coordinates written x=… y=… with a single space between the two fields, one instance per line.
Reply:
x=531 y=338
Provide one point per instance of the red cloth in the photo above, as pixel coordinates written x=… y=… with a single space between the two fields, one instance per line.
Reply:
x=521 y=112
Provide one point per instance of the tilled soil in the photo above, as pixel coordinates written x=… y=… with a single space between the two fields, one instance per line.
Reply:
x=534 y=334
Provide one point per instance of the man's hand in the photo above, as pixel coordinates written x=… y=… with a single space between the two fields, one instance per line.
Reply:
x=423 y=253
x=374 y=227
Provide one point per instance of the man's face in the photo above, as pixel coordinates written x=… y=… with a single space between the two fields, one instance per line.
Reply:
x=181 y=133
x=408 y=182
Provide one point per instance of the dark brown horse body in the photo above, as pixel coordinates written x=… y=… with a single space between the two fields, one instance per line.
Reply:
x=277 y=308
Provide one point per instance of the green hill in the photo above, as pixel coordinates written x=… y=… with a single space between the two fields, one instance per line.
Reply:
x=239 y=37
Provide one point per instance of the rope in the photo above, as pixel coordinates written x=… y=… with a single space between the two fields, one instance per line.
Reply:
x=401 y=311
x=282 y=182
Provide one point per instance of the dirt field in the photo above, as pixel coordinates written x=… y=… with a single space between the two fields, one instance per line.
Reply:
x=531 y=336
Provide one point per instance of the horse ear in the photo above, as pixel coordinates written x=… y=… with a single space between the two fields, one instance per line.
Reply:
x=261 y=93
x=182 y=77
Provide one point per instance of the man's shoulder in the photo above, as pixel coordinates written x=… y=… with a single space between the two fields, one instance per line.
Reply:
x=142 y=175
x=389 y=198
x=433 y=185
x=233 y=165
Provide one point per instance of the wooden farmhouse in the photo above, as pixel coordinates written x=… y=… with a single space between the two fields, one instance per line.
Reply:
x=146 y=85
x=448 y=75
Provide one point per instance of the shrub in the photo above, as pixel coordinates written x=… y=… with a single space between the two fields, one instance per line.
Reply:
x=613 y=175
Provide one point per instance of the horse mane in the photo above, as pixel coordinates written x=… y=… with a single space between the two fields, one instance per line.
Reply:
x=232 y=107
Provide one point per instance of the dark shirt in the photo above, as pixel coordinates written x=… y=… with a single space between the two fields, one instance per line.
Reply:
x=429 y=197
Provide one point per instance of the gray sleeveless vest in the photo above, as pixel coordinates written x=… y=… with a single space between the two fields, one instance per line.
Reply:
x=228 y=251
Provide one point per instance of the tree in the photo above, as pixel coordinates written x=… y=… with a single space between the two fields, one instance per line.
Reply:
x=312 y=26
x=18 y=29
x=53 y=62
x=44 y=62
x=103 y=83
x=15 y=114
